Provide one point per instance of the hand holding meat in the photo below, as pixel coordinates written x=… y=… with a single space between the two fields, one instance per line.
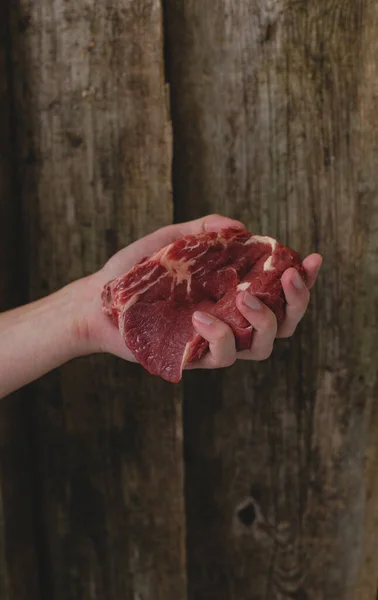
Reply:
x=200 y=294
x=197 y=295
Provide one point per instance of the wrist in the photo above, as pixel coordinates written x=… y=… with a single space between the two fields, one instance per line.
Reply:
x=83 y=308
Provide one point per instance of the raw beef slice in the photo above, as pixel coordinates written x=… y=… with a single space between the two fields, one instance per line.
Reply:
x=152 y=304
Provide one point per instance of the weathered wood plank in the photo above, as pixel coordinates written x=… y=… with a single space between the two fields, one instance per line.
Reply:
x=8 y=219
x=95 y=164
x=274 y=109
x=18 y=564
x=368 y=194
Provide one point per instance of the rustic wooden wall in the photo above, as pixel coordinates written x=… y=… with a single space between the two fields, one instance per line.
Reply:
x=94 y=151
x=273 y=122
x=18 y=546
x=273 y=106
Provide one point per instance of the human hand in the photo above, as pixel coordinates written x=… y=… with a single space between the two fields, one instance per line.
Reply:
x=263 y=320
x=97 y=333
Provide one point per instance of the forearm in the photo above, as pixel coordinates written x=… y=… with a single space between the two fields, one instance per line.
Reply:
x=37 y=338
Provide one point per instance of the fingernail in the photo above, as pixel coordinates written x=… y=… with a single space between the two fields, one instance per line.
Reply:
x=203 y=318
x=251 y=301
x=298 y=281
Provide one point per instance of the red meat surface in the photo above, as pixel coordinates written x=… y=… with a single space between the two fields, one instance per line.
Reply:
x=152 y=304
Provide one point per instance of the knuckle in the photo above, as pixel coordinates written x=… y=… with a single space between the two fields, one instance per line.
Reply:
x=287 y=332
x=228 y=361
x=208 y=219
x=305 y=296
x=223 y=333
x=264 y=353
x=269 y=322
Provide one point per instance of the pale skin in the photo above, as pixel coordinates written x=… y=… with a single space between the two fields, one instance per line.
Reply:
x=69 y=323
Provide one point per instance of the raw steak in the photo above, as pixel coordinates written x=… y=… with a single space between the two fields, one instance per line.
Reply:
x=152 y=304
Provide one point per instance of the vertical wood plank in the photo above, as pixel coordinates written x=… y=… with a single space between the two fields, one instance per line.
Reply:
x=272 y=108
x=368 y=194
x=95 y=165
x=18 y=564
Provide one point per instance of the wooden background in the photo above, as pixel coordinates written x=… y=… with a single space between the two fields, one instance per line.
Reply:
x=259 y=482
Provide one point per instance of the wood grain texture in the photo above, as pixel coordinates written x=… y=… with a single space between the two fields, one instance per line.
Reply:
x=94 y=145
x=275 y=123
x=368 y=181
x=18 y=548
